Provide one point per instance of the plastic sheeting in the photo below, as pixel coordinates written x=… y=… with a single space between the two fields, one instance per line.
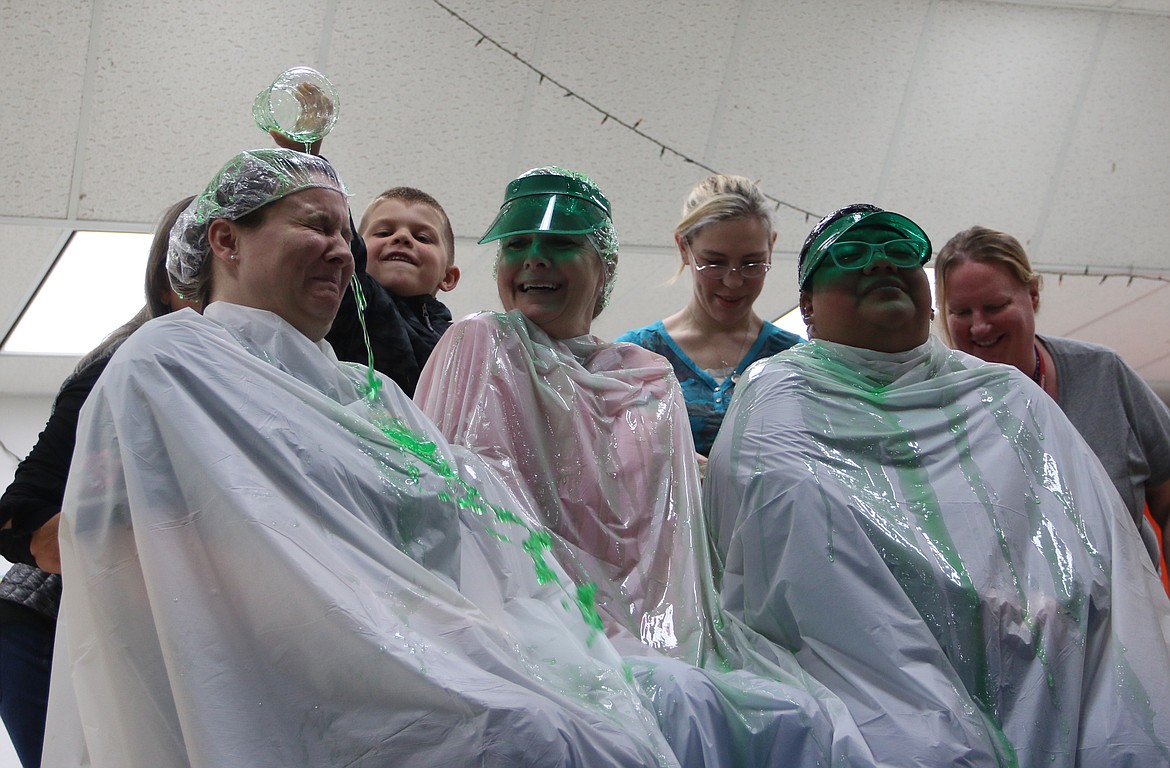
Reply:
x=266 y=568
x=939 y=547
x=593 y=434
x=596 y=435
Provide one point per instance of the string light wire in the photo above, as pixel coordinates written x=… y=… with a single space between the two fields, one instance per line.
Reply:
x=606 y=115
x=635 y=127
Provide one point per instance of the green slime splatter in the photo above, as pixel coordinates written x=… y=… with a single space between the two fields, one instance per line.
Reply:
x=536 y=542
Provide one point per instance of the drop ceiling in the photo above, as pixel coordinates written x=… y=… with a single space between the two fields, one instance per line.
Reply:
x=1047 y=120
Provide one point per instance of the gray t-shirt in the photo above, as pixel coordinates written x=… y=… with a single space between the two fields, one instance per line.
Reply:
x=1117 y=413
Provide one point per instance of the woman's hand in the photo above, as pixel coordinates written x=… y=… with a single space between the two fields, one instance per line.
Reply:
x=43 y=545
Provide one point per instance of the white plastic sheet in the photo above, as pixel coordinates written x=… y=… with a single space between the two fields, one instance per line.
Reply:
x=939 y=547
x=265 y=568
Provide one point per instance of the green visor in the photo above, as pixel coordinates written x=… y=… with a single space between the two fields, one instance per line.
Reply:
x=546 y=203
x=819 y=250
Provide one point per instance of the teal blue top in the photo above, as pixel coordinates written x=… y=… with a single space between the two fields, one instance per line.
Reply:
x=707 y=399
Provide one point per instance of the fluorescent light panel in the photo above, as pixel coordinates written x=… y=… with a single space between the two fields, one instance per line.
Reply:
x=94 y=286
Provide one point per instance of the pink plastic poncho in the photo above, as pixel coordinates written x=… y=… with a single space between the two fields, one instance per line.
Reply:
x=596 y=435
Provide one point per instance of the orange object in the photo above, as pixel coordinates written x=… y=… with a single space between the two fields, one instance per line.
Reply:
x=1161 y=551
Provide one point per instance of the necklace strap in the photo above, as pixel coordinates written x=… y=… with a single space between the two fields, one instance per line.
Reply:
x=1038 y=373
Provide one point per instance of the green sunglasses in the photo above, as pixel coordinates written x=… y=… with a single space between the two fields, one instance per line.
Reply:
x=904 y=254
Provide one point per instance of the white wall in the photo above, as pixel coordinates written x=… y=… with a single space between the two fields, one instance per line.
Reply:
x=21 y=420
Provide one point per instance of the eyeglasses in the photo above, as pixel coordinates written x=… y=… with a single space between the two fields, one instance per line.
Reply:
x=753 y=271
x=903 y=254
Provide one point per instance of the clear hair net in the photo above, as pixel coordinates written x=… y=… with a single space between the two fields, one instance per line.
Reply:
x=249 y=181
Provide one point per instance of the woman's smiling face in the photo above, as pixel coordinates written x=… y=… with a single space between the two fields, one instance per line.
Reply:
x=554 y=280
x=991 y=314
x=733 y=243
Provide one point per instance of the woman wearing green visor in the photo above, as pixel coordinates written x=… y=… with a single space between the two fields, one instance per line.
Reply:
x=594 y=432
x=594 y=437
x=930 y=533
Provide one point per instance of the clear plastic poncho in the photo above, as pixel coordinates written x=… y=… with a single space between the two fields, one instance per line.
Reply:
x=596 y=436
x=939 y=547
x=269 y=566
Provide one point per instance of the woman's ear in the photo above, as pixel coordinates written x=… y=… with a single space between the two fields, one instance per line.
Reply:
x=683 y=251
x=223 y=238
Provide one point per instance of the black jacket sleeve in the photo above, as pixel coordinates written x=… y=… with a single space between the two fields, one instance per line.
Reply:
x=402 y=330
x=39 y=483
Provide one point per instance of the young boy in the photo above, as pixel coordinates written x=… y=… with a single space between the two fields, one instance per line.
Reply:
x=404 y=256
x=411 y=258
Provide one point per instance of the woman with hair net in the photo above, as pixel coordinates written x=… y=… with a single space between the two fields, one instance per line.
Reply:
x=930 y=535
x=596 y=435
x=275 y=560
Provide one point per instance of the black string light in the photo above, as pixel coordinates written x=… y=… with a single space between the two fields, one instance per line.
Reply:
x=606 y=115
x=634 y=127
x=1129 y=276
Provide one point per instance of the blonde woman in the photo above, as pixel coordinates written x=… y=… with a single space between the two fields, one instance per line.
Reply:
x=725 y=238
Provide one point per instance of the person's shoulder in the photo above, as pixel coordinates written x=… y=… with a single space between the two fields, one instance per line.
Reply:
x=179 y=339
x=778 y=338
x=158 y=335
x=483 y=319
x=640 y=335
x=1077 y=349
x=484 y=325
x=1089 y=364
x=774 y=372
x=634 y=354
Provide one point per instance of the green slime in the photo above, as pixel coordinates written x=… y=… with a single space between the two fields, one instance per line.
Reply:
x=536 y=542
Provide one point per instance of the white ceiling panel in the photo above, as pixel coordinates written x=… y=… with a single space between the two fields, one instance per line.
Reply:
x=1044 y=119
x=167 y=101
x=1117 y=169
x=27 y=253
x=994 y=95
x=44 y=63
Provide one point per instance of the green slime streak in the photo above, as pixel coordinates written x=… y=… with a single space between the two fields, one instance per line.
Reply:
x=536 y=542
x=934 y=576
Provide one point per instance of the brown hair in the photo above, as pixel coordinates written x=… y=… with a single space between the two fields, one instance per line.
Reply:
x=416 y=197
x=158 y=283
x=983 y=245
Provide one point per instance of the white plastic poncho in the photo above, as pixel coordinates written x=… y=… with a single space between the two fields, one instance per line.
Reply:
x=266 y=568
x=596 y=435
x=937 y=544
